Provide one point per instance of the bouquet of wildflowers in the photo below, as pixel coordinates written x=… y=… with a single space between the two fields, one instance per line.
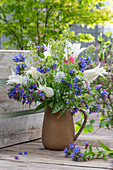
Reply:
x=57 y=77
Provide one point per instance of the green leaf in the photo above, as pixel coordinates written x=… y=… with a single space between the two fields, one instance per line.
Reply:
x=89 y=128
x=85 y=130
x=51 y=104
x=100 y=38
x=62 y=113
x=97 y=148
x=92 y=121
x=98 y=155
x=102 y=55
x=82 y=115
x=104 y=156
x=108 y=34
x=90 y=148
x=111 y=155
x=77 y=128
x=41 y=106
x=102 y=124
x=104 y=146
x=58 y=106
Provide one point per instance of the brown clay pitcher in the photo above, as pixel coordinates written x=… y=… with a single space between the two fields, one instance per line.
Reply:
x=58 y=134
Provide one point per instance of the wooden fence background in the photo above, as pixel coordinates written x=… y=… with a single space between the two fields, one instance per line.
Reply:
x=18 y=123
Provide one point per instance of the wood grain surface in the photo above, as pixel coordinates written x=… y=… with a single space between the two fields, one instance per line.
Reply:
x=40 y=158
x=20 y=129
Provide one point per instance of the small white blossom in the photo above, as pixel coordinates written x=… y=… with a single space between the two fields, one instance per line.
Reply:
x=59 y=75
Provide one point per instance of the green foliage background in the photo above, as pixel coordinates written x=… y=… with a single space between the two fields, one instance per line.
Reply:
x=40 y=20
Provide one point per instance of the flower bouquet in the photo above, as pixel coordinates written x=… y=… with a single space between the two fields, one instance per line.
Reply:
x=59 y=80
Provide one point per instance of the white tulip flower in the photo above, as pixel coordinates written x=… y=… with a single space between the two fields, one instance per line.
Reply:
x=48 y=52
x=34 y=73
x=92 y=74
x=73 y=49
x=17 y=79
x=47 y=90
x=76 y=49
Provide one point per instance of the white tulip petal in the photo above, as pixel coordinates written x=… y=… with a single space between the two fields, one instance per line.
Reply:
x=47 y=90
x=92 y=74
x=34 y=73
x=81 y=50
x=16 y=79
x=74 y=49
x=48 y=52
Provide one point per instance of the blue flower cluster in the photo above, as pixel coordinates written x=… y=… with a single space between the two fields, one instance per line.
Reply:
x=42 y=70
x=40 y=94
x=32 y=86
x=20 y=58
x=67 y=102
x=98 y=87
x=46 y=70
x=87 y=106
x=13 y=92
x=74 y=110
x=78 y=89
x=104 y=94
x=71 y=71
x=74 y=152
x=78 y=92
x=84 y=103
x=69 y=85
x=20 y=67
x=94 y=110
x=84 y=62
x=41 y=47
x=18 y=94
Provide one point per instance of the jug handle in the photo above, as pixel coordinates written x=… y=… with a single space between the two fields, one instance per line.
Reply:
x=83 y=125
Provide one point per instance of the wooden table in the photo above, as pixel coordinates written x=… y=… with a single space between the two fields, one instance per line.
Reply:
x=40 y=158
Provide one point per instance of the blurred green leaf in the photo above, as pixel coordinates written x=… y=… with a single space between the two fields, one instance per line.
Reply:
x=108 y=34
x=100 y=38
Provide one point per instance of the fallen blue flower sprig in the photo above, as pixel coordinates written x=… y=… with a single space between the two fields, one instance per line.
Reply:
x=16 y=158
x=20 y=153
x=25 y=153
x=76 y=154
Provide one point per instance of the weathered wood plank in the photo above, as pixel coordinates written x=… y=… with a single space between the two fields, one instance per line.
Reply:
x=41 y=166
x=13 y=106
x=3 y=82
x=19 y=113
x=93 y=139
x=20 y=129
x=38 y=157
